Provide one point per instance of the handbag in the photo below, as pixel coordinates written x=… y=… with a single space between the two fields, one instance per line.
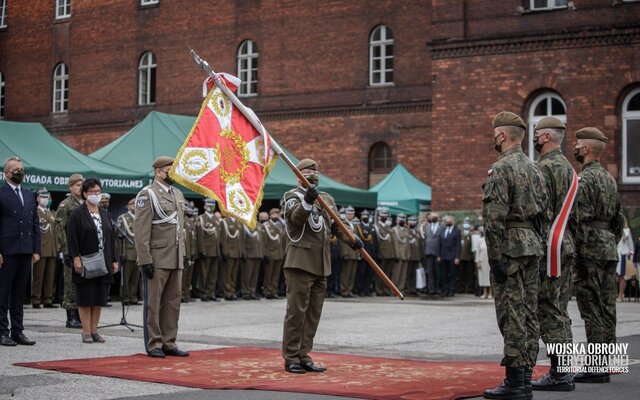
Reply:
x=94 y=266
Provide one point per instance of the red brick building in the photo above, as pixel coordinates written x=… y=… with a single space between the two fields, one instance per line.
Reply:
x=357 y=85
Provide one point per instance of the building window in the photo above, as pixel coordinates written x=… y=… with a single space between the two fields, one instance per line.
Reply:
x=3 y=14
x=545 y=105
x=60 y=88
x=149 y=2
x=548 y=4
x=248 y=68
x=381 y=56
x=631 y=138
x=147 y=79
x=63 y=9
x=1 y=96
x=380 y=162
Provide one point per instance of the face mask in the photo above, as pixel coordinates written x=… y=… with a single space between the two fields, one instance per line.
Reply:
x=466 y=227
x=401 y=223
x=275 y=219
x=538 y=147
x=49 y=203
x=449 y=223
x=434 y=221
x=44 y=202
x=167 y=179
x=412 y=224
x=496 y=146
x=365 y=219
x=579 y=157
x=17 y=177
x=94 y=199
x=383 y=219
x=208 y=209
x=313 y=179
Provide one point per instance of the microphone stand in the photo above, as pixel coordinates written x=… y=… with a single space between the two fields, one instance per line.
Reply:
x=124 y=290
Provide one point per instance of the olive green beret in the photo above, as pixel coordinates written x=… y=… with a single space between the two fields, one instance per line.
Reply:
x=307 y=163
x=75 y=178
x=274 y=211
x=550 y=123
x=506 y=118
x=162 y=161
x=591 y=133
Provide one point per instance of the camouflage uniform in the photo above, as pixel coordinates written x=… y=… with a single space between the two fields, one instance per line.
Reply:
x=65 y=209
x=554 y=295
x=511 y=203
x=600 y=223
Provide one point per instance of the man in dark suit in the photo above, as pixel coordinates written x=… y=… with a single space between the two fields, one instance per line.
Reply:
x=432 y=233
x=19 y=247
x=450 y=256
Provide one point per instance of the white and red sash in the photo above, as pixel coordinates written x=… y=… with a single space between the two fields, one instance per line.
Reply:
x=554 y=243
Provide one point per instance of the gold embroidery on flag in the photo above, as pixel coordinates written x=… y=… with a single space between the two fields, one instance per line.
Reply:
x=239 y=202
x=234 y=157
x=195 y=162
x=220 y=103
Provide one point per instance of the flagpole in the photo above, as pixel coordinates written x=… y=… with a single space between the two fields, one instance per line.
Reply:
x=250 y=115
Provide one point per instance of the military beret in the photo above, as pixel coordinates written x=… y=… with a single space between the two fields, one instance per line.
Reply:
x=162 y=161
x=131 y=202
x=506 y=118
x=402 y=216
x=349 y=210
x=591 y=133
x=307 y=163
x=105 y=196
x=274 y=211
x=209 y=202
x=43 y=192
x=75 y=178
x=550 y=123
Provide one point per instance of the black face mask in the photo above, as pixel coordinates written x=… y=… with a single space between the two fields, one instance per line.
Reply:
x=365 y=219
x=275 y=219
x=579 y=157
x=313 y=179
x=401 y=223
x=167 y=179
x=496 y=146
x=449 y=224
x=539 y=147
x=412 y=225
x=17 y=177
x=383 y=219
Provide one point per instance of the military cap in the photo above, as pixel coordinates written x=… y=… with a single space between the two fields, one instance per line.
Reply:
x=105 y=196
x=349 y=210
x=506 y=118
x=591 y=133
x=75 y=178
x=274 y=211
x=383 y=211
x=364 y=212
x=162 y=161
x=131 y=202
x=413 y=218
x=43 y=192
x=550 y=123
x=307 y=163
x=402 y=217
x=209 y=202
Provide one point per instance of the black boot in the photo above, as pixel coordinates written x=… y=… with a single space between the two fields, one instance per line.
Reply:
x=72 y=320
x=592 y=377
x=511 y=388
x=528 y=390
x=554 y=380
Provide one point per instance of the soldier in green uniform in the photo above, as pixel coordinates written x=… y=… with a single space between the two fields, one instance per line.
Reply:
x=415 y=255
x=232 y=242
x=349 y=258
x=274 y=242
x=513 y=209
x=130 y=271
x=44 y=271
x=191 y=250
x=208 y=232
x=65 y=208
x=554 y=294
x=253 y=254
x=599 y=229
x=365 y=231
x=400 y=237
x=306 y=267
x=386 y=250
x=158 y=225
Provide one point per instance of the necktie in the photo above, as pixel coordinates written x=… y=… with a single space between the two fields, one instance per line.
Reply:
x=19 y=196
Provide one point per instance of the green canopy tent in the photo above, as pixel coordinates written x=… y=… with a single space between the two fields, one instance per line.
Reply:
x=163 y=134
x=401 y=192
x=48 y=162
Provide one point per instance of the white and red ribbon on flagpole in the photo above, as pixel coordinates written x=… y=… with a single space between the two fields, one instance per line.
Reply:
x=556 y=234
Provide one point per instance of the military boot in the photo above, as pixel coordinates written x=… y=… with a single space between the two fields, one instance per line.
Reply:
x=72 y=320
x=592 y=377
x=554 y=380
x=528 y=390
x=511 y=388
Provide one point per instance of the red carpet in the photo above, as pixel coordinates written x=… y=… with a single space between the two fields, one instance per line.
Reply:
x=262 y=369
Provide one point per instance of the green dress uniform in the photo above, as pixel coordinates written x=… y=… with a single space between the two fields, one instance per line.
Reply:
x=131 y=278
x=274 y=242
x=232 y=243
x=349 y=265
x=44 y=271
x=65 y=208
x=387 y=254
x=415 y=257
x=253 y=254
x=208 y=232
x=159 y=225
x=467 y=264
x=307 y=264
x=400 y=238
x=191 y=253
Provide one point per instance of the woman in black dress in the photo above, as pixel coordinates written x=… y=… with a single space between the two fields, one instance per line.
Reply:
x=89 y=230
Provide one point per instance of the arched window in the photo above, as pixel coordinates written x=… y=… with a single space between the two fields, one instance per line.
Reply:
x=631 y=138
x=1 y=96
x=248 y=68
x=147 y=79
x=380 y=162
x=60 y=88
x=545 y=105
x=381 y=56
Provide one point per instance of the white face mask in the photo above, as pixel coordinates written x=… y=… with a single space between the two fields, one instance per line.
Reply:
x=43 y=201
x=94 y=199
